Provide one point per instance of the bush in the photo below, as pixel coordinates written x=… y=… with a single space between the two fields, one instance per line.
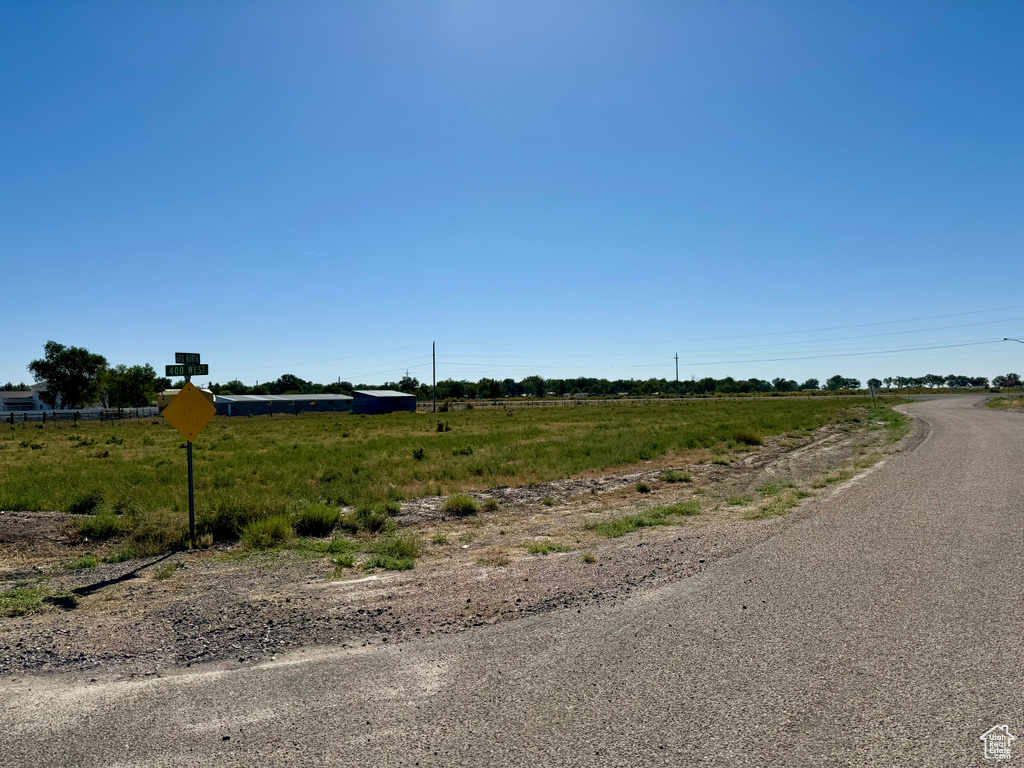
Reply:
x=419 y=454
x=316 y=520
x=460 y=505
x=267 y=532
x=86 y=503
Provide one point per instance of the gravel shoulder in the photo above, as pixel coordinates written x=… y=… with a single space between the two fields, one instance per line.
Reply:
x=224 y=605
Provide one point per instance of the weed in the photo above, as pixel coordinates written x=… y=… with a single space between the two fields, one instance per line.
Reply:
x=776 y=505
x=460 y=505
x=490 y=505
x=316 y=520
x=747 y=437
x=166 y=570
x=548 y=501
x=652 y=517
x=267 y=532
x=467 y=451
x=642 y=487
x=102 y=526
x=86 y=503
x=442 y=426
x=721 y=460
x=440 y=539
x=587 y=557
x=22 y=601
x=342 y=562
x=394 y=553
x=84 y=562
x=419 y=454
x=674 y=476
x=546 y=547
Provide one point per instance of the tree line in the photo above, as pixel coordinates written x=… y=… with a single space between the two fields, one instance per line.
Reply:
x=78 y=378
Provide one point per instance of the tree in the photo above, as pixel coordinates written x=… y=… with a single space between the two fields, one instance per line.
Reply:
x=888 y=381
x=933 y=380
x=811 y=384
x=1006 y=380
x=124 y=387
x=840 y=382
x=876 y=383
x=72 y=375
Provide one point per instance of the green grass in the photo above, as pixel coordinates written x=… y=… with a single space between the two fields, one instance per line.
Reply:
x=393 y=553
x=1006 y=403
x=102 y=526
x=267 y=532
x=777 y=504
x=84 y=563
x=547 y=547
x=251 y=467
x=675 y=476
x=666 y=515
x=131 y=477
x=460 y=505
x=316 y=520
x=22 y=601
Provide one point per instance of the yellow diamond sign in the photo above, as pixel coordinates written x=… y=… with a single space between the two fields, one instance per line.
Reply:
x=189 y=412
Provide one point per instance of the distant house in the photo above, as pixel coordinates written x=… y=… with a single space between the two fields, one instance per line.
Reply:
x=382 y=401
x=23 y=399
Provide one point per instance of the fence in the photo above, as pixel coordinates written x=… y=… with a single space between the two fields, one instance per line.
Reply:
x=91 y=414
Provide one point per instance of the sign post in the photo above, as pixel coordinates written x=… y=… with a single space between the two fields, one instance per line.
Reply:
x=188 y=413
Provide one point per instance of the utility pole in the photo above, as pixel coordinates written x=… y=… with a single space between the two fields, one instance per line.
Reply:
x=677 y=367
x=433 y=353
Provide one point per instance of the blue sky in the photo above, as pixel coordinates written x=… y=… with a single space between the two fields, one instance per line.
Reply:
x=772 y=189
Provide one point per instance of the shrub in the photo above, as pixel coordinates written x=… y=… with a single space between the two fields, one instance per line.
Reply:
x=419 y=454
x=86 y=503
x=460 y=505
x=316 y=520
x=747 y=437
x=442 y=426
x=394 y=553
x=674 y=476
x=267 y=532
x=643 y=487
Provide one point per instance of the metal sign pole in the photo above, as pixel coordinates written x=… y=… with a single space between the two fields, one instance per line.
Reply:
x=191 y=498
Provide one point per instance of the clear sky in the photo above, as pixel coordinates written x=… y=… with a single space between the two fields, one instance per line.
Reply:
x=555 y=188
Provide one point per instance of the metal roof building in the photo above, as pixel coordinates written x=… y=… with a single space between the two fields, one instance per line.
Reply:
x=382 y=401
x=265 y=405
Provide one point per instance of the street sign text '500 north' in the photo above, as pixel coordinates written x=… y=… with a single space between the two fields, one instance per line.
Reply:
x=187 y=370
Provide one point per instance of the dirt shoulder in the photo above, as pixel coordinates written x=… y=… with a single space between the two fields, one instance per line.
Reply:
x=225 y=605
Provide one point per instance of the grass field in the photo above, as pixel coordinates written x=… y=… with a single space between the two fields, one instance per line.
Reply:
x=133 y=476
x=1003 y=403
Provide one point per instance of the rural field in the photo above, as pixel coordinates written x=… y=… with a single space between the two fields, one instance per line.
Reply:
x=132 y=476
x=335 y=529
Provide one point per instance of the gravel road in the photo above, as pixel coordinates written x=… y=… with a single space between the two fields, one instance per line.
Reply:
x=883 y=628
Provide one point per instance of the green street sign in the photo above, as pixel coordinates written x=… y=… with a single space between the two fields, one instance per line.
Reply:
x=188 y=358
x=187 y=370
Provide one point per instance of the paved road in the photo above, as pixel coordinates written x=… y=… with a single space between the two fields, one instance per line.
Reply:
x=884 y=628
